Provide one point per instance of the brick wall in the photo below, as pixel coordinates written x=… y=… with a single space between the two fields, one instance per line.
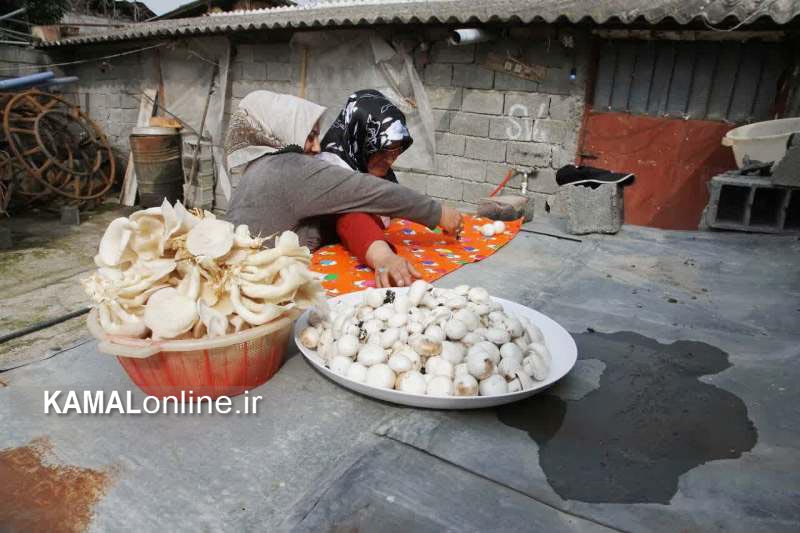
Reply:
x=488 y=121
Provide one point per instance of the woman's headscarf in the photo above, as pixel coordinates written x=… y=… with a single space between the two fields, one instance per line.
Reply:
x=368 y=124
x=267 y=122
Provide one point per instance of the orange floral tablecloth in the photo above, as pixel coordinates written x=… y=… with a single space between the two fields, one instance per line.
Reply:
x=433 y=253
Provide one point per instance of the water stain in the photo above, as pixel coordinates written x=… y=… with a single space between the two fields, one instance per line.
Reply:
x=650 y=421
x=38 y=495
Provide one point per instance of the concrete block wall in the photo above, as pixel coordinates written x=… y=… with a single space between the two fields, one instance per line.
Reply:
x=488 y=122
x=19 y=61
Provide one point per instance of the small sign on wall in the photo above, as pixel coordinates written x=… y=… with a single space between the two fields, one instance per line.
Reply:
x=515 y=67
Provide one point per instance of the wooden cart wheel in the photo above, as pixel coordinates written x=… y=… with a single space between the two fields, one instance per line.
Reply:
x=61 y=148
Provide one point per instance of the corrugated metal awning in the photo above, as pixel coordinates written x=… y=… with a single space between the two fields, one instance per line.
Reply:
x=372 y=12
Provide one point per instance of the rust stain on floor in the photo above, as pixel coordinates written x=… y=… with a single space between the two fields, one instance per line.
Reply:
x=39 y=495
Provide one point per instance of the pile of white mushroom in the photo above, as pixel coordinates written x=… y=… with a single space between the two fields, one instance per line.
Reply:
x=170 y=273
x=426 y=340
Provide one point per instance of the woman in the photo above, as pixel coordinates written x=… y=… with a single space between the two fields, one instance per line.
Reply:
x=369 y=134
x=269 y=141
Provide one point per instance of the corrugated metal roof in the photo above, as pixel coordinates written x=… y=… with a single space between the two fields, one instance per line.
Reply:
x=352 y=13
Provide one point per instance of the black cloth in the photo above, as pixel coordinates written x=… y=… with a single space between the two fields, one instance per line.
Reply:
x=572 y=175
x=368 y=124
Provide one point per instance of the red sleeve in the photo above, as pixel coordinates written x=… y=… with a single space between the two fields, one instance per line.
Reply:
x=358 y=231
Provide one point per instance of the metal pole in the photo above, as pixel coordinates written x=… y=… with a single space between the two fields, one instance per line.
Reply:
x=13 y=13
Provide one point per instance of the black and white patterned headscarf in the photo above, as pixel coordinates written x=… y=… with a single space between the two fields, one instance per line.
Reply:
x=368 y=124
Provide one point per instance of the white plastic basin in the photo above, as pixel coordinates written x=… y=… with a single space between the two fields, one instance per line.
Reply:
x=761 y=141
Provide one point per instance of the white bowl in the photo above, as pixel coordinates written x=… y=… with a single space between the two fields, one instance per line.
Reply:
x=560 y=343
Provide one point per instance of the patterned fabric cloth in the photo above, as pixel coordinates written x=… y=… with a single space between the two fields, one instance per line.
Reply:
x=368 y=124
x=433 y=253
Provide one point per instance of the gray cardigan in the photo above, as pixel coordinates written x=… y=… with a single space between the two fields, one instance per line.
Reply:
x=297 y=192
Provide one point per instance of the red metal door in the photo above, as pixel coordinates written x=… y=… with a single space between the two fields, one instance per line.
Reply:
x=672 y=159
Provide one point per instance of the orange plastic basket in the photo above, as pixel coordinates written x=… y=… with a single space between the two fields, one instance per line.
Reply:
x=223 y=366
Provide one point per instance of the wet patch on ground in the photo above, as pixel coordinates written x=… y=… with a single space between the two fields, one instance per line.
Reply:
x=650 y=421
x=39 y=495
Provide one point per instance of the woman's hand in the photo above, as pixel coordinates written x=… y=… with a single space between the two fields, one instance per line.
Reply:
x=391 y=270
x=452 y=221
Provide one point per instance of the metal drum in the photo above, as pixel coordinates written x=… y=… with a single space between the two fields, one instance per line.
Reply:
x=157 y=160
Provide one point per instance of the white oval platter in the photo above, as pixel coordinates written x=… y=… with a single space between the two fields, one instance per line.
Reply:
x=562 y=348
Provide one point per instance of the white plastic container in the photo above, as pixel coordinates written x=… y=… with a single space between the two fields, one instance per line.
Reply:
x=761 y=141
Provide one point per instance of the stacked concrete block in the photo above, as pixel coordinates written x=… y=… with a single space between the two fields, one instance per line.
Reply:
x=754 y=204
x=592 y=210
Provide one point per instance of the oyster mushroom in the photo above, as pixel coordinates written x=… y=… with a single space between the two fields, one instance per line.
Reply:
x=169 y=313
x=114 y=243
x=116 y=321
x=210 y=238
x=216 y=324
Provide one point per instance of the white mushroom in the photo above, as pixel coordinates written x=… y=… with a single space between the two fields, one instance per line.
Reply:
x=434 y=333
x=461 y=369
x=357 y=372
x=468 y=318
x=168 y=313
x=471 y=338
x=340 y=364
x=479 y=364
x=487 y=230
x=465 y=385
x=389 y=337
x=514 y=326
x=401 y=304
x=374 y=298
x=489 y=348
x=438 y=366
x=499 y=226
x=498 y=336
x=455 y=329
x=515 y=385
x=461 y=290
x=381 y=375
x=426 y=347
x=440 y=386
x=416 y=292
x=511 y=351
x=508 y=367
x=370 y=355
x=479 y=295
x=347 y=345
x=400 y=363
x=525 y=381
x=385 y=312
x=412 y=382
x=453 y=352
x=455 y=302
x=493 y=385
x=536 y=363
x=397 y=320
x=309 y=337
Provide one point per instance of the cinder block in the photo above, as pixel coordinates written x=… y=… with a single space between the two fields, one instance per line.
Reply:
x=748 y=203
x=569 y=108
x=438 y=74
x=244 y=53
x=470 y=124
x=113 y=100
x=588 y=210
x=70 y=215
x=413 y=180
x=274 y=52
x=485 y=149
x=473 y=77
x=128 y=101
x=558 y=81
x=444 y=53
x=465 y=169
x=549 y=131
x=533 y=105
x=533 y=154
x=507 y=82
x=496 y=172
x=441 y=120
x=254 y=71
x=444 y=97
x=511 y=128
x=449 y=144
x=448 y=188
x=279 y=71
x=486 y=102
x=473 y=192
x=543 y=180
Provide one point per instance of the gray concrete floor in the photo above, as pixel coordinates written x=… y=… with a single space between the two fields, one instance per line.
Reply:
x=683 y=413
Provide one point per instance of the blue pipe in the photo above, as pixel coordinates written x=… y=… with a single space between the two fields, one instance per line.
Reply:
x=25 y=81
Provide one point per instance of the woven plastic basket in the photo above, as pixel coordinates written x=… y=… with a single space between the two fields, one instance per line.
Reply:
x=223 y=366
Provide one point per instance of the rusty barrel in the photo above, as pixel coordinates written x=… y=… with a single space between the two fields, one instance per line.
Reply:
x=157 y=160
